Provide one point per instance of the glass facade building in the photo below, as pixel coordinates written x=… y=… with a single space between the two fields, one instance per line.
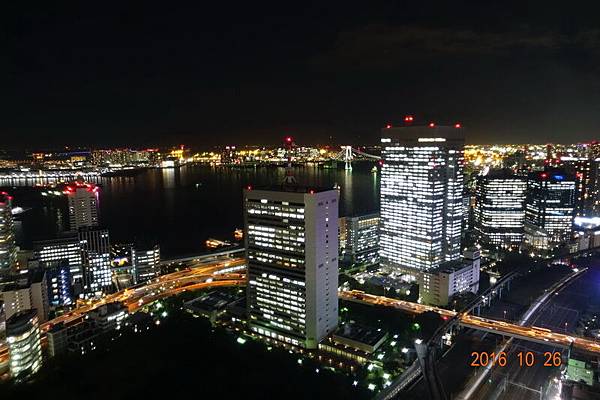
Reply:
x=421 y=196
x=499 y=211
x=97 y=276
x=550 y=204
x=292 y=248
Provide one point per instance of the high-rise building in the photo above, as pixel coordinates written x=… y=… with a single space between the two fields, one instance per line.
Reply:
x=421 y=196
x=291 y=236
x=97 y=277
x=146 y=263
x=500 y=209
x=28 y=291
x=586 y=172
x=549 y=208
x=359 y=239
x=83 y=204
x=67 y=249
x=8 y=248
x=24 y=344
x=60 y=288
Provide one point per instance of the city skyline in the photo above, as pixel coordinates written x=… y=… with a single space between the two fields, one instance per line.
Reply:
x=375 y=200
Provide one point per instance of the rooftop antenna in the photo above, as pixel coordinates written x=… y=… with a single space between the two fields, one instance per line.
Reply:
x=289 y=172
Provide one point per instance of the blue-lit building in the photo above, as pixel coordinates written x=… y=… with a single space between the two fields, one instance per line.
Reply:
x=58 y=279
x=549 y=208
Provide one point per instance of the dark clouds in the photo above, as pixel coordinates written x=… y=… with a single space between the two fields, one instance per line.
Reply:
x=219 y=73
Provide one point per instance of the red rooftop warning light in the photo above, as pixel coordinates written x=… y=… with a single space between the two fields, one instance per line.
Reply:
x=288 y=139
x=311 y=191
x=388 y=126
x=457 y=125
x=249 y=187
x=432 y=125
x=408 y=119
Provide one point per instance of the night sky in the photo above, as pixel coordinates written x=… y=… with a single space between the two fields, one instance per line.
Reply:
x=211 y=73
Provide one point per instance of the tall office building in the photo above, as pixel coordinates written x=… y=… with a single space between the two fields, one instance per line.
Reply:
x=499 y=211
x=95 y=244
x=421 y=196
x=587 y=176
x=291 y=236
x=67 y=249
x=146 y=263
x=24 y=344
x=58 y=278
x=549 y=208
x=83 y=204
x=359 y=239
x=29 y=291
x=8 y=248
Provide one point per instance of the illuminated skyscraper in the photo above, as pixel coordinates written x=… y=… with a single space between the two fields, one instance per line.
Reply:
x=83 y=204
x=8 y=249
x=421 y=196
x=549 y=208
x=500 y=209
x=291 y=238
x=95 y=244
x=24 y=344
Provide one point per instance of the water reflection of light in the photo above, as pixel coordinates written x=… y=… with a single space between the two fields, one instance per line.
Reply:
x=347 y=188
x=168 y=175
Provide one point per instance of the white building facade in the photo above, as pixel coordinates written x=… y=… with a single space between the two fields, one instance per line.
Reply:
x=500 y=209
x=421 y=197
x=291 y=239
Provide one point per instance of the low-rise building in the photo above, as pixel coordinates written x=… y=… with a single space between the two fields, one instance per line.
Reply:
x=109 y=316
x=354 y=342
x=211 y=305
x=438 y=285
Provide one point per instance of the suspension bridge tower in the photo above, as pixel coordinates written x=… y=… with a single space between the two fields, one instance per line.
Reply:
x=348 y=157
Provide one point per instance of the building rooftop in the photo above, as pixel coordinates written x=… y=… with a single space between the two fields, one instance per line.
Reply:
x=501 y=173
x=5 y=198
x=449 y=267
x=553 y=175
x=108 y=309
x=211 y=301
x=25 y=280
x=289 y=188
x=360 y=333
x=20 y=322
x=420 y=133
